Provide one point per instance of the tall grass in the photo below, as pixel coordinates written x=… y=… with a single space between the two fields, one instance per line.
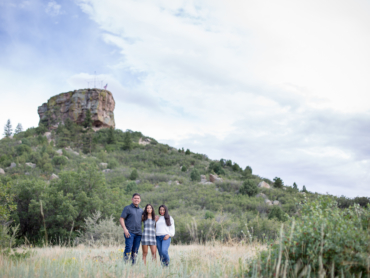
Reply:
x=210 y=260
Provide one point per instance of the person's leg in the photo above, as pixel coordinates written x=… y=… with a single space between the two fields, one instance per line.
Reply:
x=128 y=247
x=165 y=257
x=145 y=252
x=159 y=246
x=153 y=249
x=135 y=247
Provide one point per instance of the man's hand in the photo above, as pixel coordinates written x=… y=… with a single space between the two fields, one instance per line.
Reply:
x=166 y=237
x=127 y=233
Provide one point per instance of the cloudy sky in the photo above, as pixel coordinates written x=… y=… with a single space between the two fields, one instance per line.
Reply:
x=282 y=86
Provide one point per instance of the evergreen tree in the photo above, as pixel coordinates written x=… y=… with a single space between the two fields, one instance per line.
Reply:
x=304 y=189
x=88 y=120
x=278 y=182
x=8 y=131
x=249 y=188
x=295 y=186
x=127 y=142
x=111 y=136
x=18 y=129
x=88 y=142
x=247 y=171
x=277 y=213
x=184 y=169
x=134 y=175
x=195 y=176
x=187 y=152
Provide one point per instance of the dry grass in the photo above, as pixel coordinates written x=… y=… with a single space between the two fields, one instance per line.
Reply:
x=211 y=260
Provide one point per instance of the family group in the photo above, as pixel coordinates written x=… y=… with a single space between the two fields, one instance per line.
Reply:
x=157 y=234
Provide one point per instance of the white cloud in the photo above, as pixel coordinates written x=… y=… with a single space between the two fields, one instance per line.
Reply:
x=53 y=8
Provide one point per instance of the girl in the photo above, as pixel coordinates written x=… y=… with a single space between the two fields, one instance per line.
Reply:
x=165 y=229
x=148 y=237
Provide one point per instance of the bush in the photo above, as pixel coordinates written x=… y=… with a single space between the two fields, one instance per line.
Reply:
x=101 y=232
x=325 y=240
x=59 y=160
x=249 y=188
x=277 y=213
x=187 y=152
x=195 y=176
x=134 y=175
x=184 y=169
x=209 y=215
x=131 y=186
x=278 y=182
x=112 y=163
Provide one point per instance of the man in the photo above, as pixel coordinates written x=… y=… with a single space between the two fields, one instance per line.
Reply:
x=131 y=223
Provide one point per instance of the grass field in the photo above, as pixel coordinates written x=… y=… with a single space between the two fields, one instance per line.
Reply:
x=212 y=260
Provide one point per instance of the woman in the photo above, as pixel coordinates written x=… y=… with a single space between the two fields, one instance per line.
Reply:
x=165 y=230
x=148 y=237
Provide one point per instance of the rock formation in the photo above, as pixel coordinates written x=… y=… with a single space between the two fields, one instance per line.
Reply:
x=74 y=105
x=263 y=184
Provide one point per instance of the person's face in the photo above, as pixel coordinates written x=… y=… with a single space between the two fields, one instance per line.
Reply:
x=149 y=209
x=136 y=200
x=162 y=211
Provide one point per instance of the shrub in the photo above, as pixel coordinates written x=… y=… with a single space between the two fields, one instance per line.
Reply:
x=277 y=213
x=21 y=149
x=59 y=160
x=209 y=215
x=184 y=169
x=112 y=163
x=131 y=186
x=187 y=152
x=101 y=232
x=278 y=182
x=325 y=240
x=195 y=176
x=249 y=188
x=134 y=175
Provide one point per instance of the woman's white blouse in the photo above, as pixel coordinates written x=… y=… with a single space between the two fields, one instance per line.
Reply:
x=162 y=229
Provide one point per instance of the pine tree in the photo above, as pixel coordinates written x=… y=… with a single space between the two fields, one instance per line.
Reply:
x=111 y=136
x=8 y=131
x=304 y=189
x=18 y=129
x=187 y=152
x=88 y=142
x=88 y=120
x=278 y=183
x=127 y=142
x=295 y=186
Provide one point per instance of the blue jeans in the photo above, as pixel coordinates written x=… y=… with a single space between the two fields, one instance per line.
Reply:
x=132 y=247
x=162 y=246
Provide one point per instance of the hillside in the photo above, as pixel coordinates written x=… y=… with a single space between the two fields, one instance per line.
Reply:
x=59 y=178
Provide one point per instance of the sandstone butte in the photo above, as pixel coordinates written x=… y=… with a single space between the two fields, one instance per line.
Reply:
x=74 y=105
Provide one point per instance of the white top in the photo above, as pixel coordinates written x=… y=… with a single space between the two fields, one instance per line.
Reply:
x=162 y=229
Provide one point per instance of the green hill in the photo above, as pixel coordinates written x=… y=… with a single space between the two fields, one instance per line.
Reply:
x=57 y=179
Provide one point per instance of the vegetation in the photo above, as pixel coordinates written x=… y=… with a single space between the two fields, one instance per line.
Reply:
x=82 y=180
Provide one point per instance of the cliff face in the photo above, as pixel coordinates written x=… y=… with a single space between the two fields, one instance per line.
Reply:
x=73 y=105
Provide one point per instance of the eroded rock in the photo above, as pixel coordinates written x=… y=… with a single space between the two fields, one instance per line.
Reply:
x=276 y=203
x=104 y=165
x=214 y=178
x=261 y=195
x=54 y=176
x=144 y=141
x=12 y=165
x=264 y=184
x=268 y=202
x=2 y=172
x=29 y=164
x=73 y=105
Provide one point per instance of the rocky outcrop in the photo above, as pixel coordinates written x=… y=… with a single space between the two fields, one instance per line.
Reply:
x=2 y=172
x=261 y=195
x=276 y=203
x=145 y=141
x=74 y=105
x=54 y=176
x=263 y=184
x=214 y=178
x=29 y=164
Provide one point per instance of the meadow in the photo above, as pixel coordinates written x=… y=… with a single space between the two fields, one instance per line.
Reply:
x=210 y=260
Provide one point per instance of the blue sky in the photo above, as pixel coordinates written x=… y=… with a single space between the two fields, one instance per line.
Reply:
x=282 y=86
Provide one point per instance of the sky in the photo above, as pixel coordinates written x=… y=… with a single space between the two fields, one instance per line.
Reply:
x=280 y=85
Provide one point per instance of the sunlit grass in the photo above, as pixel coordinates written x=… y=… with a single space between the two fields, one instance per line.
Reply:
x=211 y=260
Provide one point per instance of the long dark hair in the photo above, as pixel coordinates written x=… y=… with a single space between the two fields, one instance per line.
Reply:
x=145 y=213
x=166 y=215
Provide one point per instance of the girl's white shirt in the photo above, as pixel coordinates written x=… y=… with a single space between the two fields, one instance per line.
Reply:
x=162 y=229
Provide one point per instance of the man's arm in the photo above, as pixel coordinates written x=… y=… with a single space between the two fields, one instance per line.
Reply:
x=122 y=221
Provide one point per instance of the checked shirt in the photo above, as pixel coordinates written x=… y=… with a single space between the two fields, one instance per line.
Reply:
x=148 y=237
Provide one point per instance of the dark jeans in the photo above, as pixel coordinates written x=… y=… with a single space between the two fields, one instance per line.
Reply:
x=132 y=247
x=162 y=246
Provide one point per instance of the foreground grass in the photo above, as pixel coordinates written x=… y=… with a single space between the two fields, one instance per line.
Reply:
x=212 y=260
